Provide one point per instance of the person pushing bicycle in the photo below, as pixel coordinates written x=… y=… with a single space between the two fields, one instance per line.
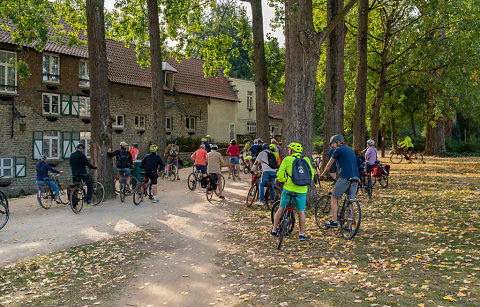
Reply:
x=42 y=169
x=285 y=174
x=348 y=174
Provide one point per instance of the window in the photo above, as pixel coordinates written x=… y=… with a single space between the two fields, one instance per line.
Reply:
x=84 y=106
x=6 y=167
x=251 y=127
x=168 y=79
x=190 y=123
x=119 y=121
x=51 y=144
x=250 y=100
x=140 y=122
x=274 y=129
x=51 y=68
x=85 y=140
x=83 y=74
x=169 y=123
x=8 y=73
x=51 y=104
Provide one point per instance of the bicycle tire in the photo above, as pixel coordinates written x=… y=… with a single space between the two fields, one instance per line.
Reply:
x=116 y=184
x=63 y=195
x=274 y=209
x=4 y=211
x=138 y=194
x=417 y=157
x=133 y=184
x=76 y=203
x=173 y=173
x=123 y=190
x=252 y=195
x=209 y=193
x=241 y=167
x=234 y=173
x=369 y=187
x=383 y=181
x=282 y=230
x=322 y=211
x=217 y=192
x=98 y=193
x=43 y=195
x=351 y=213
x=246 y=169
x=396 y=158
x=192 y=181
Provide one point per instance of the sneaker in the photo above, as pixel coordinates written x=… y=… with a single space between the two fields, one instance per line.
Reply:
x=58 y=201
x=155 y=200
x=331 y=224
x=302 y=237
x=90 y=203
x=221 y=196
x=259 y=203
x=273 y=233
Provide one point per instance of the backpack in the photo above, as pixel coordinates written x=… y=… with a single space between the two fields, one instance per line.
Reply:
x=122 y=159
x=272 y=160
x=173 y=151
x=301 y=172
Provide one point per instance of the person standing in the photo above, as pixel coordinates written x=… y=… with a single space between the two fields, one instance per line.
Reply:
x=370 y=155
x=152 y=163
x=134 y=152
x=78 y=163
x=214 y=166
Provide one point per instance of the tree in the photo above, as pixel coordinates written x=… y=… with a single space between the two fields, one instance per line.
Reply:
x=101 y=126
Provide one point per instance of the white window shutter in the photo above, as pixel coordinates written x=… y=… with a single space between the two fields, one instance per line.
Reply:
x=65 y=105
x=37 y=144
x=74 y=103
x=66 y=144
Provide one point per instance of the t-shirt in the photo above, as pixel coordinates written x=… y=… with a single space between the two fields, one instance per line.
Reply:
x=371 y=155
x=263 y=157
x=253 y=150
x=233 y=151
x=215 y=162
x=208 y=148
x=346 y=162
x=200 y=156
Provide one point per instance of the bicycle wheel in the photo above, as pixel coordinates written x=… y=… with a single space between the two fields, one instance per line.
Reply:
x=138 y=194
x=123 y=190
x=369 y=187
x=44 y=198
x=173 y=173
x=282 y=228
x=116 y=184
x=76 y=200
x=241 y=167
x=383 y=181
x=274 y=209
x=396 y=158
x=417 y=157
x=98 y=193
x=252 y=195
x=223 y=186
x=322 y=211
x=63 y=195
x=234 y=173
x=350 y=218
x=4 y=212
x=133 y=184
x=246 y=169
x=192 y=181
x=209 y=193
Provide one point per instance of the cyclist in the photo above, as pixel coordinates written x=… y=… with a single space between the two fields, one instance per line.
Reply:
x=42 y=169
x=253 y=152
x=124 y=162
x=347 y=174
x=274 y=149
x=200 y=157
x=214 y=166
x=171 y=153
x=151 y=164
x=78 y=162
x=259 y=148
x=333 y=169
x=269 y=172
x=208 y=143
x=234 y=152
x=370 y=155
x=407 y=146
x=246 y=147
x=284 y=175
x=134 y=152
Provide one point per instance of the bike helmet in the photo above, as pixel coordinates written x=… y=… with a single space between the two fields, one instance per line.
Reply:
x=203 y=140
x=214 y=146
x=336 y=138
x=153 y=148
x=265 y=147
x=123 y=143
x=209 y=136
x=260 y=140
x=80 y=146
x=248 y=158
x=42 y=157
x=174 y=140
x=371 y=142
x=297 y=147
x=272 y=147
x=135 y=145
x=245 y=140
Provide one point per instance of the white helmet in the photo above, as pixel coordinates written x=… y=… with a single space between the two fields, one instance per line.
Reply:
x=371 y=142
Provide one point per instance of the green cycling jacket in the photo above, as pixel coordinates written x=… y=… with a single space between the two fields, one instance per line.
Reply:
x=286 y=167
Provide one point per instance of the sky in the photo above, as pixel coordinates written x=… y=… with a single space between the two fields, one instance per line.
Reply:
x=268 y=14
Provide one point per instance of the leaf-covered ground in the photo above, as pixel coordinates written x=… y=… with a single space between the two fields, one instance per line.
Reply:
x=419 y=245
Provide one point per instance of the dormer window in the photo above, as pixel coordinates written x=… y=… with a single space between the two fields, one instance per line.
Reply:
x=51 y=68
x=8 y=73
x=168 y=79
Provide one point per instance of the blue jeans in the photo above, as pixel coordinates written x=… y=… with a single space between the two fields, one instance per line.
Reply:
x=50 y=183
x=265 y=177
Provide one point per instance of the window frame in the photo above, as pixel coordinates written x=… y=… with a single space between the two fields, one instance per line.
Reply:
x=84 y=81
x=189 y=119
x=48 y=146
x=8 y=65
x=2 y=167
x=137 y=122
x=249 y=127
x=250 y=100
x=115 y=121
x=59 y=104
x=49 y=74
x=171 y=123
x=85 y=139
x=87 y=108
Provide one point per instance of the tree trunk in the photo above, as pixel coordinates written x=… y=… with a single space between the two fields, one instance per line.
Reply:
x=393 y=129
x=412 y=123
x=261 y=82
x=101 y=123
x=435 y=135
x=158 y=99
x=359 y=124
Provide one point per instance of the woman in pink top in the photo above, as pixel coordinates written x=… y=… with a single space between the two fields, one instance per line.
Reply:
x=234 y=152
x=200 y=157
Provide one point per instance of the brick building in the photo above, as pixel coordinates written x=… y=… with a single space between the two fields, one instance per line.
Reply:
x=50 y=113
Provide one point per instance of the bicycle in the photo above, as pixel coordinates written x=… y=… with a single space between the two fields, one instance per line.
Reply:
x=193 y=179
x=254 y=192
x=349 y=218
x=365 y=184
x=121 y=185
x=141 y=190
x=234 y=169
x=244 y=165
x=383 y=180
x=287 y=220
x=46 y=192
x=4 y=210
x=173 y=172
x=77 y=194
x=397 y=157
x=212 y=187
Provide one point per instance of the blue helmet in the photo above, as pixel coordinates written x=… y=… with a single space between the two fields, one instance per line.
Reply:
x=265 y=146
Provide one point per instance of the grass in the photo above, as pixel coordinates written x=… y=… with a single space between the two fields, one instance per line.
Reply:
x=418 y=246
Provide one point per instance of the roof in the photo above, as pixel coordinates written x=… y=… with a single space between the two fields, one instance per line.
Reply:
x=275 y=111
x=124 y=69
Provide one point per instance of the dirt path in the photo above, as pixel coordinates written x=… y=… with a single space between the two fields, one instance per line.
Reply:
x=189 y=232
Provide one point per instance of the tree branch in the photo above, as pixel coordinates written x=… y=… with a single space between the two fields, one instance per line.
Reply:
x=326 y=32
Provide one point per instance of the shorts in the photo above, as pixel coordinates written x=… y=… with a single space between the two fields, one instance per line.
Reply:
x=300 y=200
x=152 y=176
x=234 y=160
x=174 y=159
x=409 y=148
x=333 y=168
x=125 y=171
x=201 y=168
x=343 y=185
